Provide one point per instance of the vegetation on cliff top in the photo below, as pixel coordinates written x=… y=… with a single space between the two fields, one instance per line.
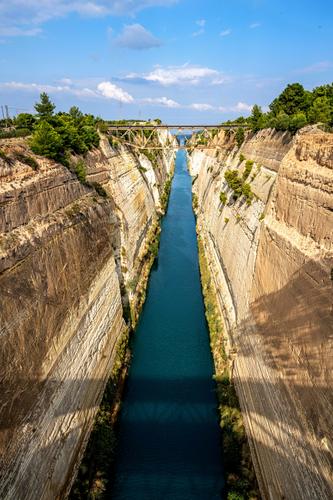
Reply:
x=294 y=108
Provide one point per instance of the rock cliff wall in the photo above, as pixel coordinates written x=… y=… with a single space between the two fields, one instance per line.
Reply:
x=67 y=255
x=272 y=264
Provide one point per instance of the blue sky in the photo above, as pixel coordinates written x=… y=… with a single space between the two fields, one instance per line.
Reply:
x=180 y=60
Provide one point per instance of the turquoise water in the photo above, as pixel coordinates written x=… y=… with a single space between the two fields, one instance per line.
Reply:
x=169 y=438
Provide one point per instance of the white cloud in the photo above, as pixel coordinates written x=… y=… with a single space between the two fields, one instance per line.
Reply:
x=225 y=32
x=202 y=107
x=25 y=15
x=135 y=36
x=238 y=108
x=176 y=75
x=254 y=26
x=112 y=91
x=15 y=31
x=104 y=90
x=161 y=101
x=201 y=23
x=201 y=31
x=318 y=67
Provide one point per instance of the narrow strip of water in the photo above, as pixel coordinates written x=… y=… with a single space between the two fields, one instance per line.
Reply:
x=169 y=437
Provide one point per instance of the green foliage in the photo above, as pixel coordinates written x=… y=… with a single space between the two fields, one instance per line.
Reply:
x=28 y=160
x=256 y=118
x=321 y=111
x=80 y=170
x=226 y=220
x=261 y=216
x=248 y=169
x=45 y=107
x=297 y=121
x=240 y=136
x=292 y=100
x=3 y=155
x=223 y=198
x=234 y=182
x=25 y=121
x=154 y=245
x=281 y=121
x=247 y=192
x=47 y=142
x=166 y=193
x=195 y=202
x=71 y=132
x=10 y=134
x=241 y=157
x=294 y=108
x=75 y=113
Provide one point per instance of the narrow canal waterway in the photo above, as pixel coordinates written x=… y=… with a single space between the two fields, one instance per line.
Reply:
x=169 y=442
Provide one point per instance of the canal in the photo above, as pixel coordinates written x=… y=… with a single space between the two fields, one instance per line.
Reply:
x=169 y=437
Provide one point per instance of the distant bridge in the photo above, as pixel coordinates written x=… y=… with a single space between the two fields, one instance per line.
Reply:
x=144 y=136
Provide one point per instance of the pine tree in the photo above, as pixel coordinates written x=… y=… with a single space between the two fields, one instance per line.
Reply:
x=45 y=107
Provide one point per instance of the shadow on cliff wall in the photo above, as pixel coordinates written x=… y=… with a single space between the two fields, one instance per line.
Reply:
x=154 y=413
x=295 y=326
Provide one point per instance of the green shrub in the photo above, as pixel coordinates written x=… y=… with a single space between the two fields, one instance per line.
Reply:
x=248 y=169
x=25 y=121
x=28 y=160
x=297 y=121
x=3 y=155
x=223 y=198
x=80 y=170
x=46 y=141
x=241 y=157
x=226 y=220
x=10 y=134
x=234 y=182
x=261 y=216
x=240 y=136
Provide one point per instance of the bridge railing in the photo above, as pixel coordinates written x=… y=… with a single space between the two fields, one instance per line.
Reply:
x=142 y=140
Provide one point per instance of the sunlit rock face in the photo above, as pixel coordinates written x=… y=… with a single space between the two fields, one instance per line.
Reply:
x=272 y=266
x=65 y=254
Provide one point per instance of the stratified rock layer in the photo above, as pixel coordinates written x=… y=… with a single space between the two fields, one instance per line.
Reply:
x=66 y=253
x=272 y=266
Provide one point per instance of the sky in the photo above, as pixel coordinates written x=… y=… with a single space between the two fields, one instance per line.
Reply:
x=183 y=61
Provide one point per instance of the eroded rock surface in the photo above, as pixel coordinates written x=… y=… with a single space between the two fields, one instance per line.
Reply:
x=66 y=256
x=272 y=267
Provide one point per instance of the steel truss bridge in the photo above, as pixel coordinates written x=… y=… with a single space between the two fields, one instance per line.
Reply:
x=143 y=137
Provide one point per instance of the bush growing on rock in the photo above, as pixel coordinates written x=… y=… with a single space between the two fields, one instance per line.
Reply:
x=223 y=198
x=47 y=142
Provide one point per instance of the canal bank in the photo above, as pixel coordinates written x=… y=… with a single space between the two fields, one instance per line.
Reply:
x=169 y=437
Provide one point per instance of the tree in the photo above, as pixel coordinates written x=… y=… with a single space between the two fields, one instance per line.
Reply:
x=46 y=141
x=75 y=113
x=45 y=107
x=282 y=121
x=240 y=136
x=255 y=118
x=297 y=121
x=292 y=100
x=25 y=120
x=321 y=110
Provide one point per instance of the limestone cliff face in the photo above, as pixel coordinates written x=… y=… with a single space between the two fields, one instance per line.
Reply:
x=66 y=255
x=272 y=267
